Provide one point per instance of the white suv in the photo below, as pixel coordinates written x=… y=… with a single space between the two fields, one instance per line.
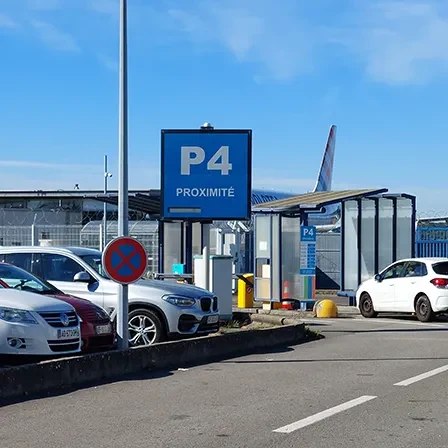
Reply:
x=157 y=309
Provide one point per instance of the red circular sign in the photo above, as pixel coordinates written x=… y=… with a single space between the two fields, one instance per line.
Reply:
x=125 y=260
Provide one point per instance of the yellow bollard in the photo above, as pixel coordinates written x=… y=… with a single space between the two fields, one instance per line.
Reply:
x=246 y=292
x=326 y=308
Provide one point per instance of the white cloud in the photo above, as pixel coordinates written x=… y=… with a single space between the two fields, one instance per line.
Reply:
x=7 y=22
x=45 y=165
x=108 y=62
x=264 y=32
x=277 y=181
x=108 y=7
x=55 y=38
x=396 y=41
x=399 y=42
x=44 y=4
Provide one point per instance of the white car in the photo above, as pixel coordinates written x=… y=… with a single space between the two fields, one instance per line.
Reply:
x=415 y=285
x=32 y=324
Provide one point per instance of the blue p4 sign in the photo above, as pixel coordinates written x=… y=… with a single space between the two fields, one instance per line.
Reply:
x=206 y=175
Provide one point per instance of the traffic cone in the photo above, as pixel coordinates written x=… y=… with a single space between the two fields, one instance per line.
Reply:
x=286 y=293
x=287 y=303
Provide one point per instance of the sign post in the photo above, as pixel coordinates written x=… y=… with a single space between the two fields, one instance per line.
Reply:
x=307 y=262
x=206 y=176
x=125 y=261
x=122 y=306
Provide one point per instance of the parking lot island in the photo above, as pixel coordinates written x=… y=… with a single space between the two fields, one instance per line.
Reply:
x=28 y=381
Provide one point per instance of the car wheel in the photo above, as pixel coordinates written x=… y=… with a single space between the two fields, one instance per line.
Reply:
x=145 y=328
x=423 y=309
x=366 y=306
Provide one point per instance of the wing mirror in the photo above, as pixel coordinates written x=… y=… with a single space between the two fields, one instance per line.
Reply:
x=82 y=277
x=378 y=277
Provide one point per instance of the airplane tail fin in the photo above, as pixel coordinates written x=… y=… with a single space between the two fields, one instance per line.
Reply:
x=325 y=177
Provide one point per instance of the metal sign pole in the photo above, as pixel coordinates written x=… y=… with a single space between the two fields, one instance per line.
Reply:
x=104 y=242
x=206 y=253
x=122 y=308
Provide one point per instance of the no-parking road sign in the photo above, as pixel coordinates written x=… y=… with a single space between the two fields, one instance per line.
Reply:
x=124 y=260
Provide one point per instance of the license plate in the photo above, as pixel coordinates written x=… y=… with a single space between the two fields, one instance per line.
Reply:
x=212 y=319
x=68 y=333
x=104 y=329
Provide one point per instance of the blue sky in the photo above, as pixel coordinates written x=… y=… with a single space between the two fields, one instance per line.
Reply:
x=286 y=69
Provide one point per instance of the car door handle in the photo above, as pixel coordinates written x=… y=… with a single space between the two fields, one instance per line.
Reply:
x=413 y=283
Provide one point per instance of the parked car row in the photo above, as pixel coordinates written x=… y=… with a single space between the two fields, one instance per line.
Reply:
x=38 y=319
x=56 y=300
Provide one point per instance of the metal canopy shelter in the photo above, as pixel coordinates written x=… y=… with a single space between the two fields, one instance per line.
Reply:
x=375 y=231
x=297 y=205
x=285 y=245
x=137 y=201
x=144 y=201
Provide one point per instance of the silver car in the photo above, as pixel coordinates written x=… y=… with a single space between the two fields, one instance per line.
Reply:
x=158 y=310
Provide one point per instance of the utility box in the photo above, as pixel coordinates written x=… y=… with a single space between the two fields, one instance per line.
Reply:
x=220 y=281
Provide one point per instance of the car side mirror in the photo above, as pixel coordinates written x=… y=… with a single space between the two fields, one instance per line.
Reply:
x=82 y=277
x=378 y=277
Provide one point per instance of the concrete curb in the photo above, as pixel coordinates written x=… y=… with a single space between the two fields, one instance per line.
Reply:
x=343 y=311
x=32 y=379
x=274 y=320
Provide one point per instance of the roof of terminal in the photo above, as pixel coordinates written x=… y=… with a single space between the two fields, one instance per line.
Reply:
x=145 y=201
x=148 y=201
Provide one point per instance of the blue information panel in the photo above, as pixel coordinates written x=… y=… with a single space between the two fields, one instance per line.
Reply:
x=206 y=174
x=307 y=250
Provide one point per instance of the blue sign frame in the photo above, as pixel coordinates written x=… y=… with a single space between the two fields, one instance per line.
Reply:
x=206 y=174
x=308 y=240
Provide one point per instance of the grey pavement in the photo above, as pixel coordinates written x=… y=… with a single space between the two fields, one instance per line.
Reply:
x=242 y=401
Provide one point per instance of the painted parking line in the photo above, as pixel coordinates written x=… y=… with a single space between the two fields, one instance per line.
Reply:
x=401 y=322
x=422 y=376
x=324 y=414
x=377 y=322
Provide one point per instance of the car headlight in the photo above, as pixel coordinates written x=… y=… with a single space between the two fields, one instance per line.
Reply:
x=102 y=313
x=179 y=300
x=15 y=315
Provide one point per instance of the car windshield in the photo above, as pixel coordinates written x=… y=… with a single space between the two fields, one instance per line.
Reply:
x=441 y=268
x=94 y=261
x=18 y=278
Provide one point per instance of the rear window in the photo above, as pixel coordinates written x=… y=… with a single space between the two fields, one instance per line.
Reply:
x=441 y=268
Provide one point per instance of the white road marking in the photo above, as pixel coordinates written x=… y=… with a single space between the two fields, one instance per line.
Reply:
x=422 y=376
x=376 y=321
x=401 y=322
x=324 y=414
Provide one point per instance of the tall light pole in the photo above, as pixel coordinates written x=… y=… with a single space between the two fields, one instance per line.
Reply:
x=122 y=306
x=106 y=176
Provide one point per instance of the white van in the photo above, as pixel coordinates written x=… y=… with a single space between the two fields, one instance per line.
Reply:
x=157 y=309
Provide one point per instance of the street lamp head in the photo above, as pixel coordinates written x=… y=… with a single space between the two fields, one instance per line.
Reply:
x=207 y=125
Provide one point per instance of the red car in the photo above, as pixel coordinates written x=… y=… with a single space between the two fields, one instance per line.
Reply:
x=97 y=330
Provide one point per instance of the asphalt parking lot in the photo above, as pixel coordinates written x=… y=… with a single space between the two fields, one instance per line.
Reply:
x=379 y=382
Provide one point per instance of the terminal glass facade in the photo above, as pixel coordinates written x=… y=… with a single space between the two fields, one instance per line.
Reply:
x=375 y=232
